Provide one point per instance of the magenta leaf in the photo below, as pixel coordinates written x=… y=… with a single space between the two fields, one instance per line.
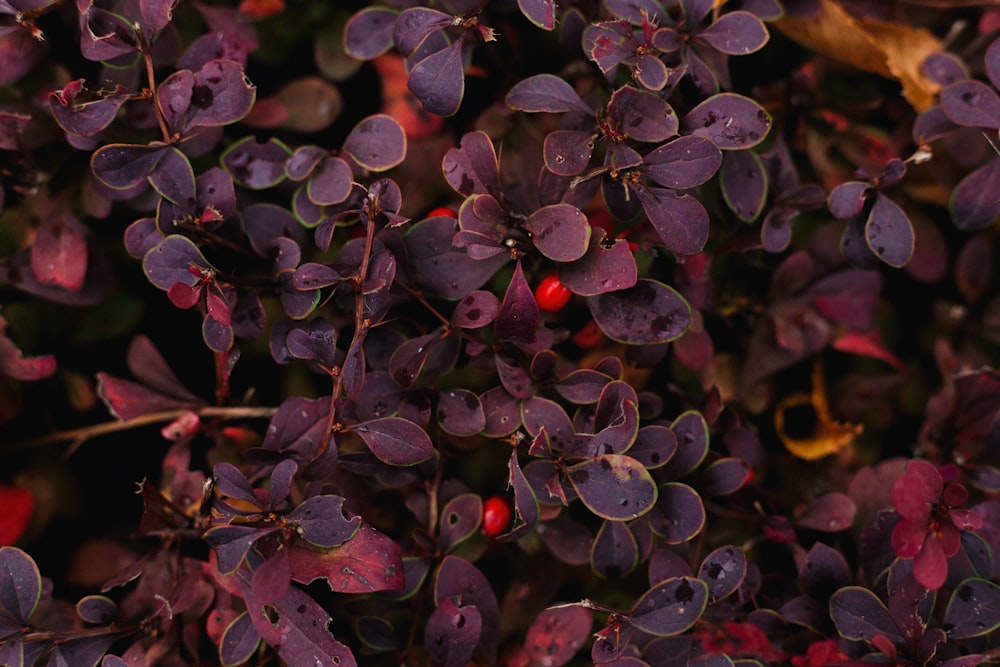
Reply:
x=972 y=104
x=670 y=607
x=615 y=487
x=221 y=94
x=728 y=120
x=451 y=634
x=239 y=641
x=84 y=112
x=615 y=552
x=368 y=33
x=366 y=563
x=414 y=25
x=460 y=413
x=736 y=34
x=299 y=628
x=321 y=521
x=256 y=165
x=679 y=514
x=518 y=317
x=540 y=12
x=859 y=615
x=458 y=579
x=271 y=579
x=377 y=143
x=124 y=166
x=546 y=93
x=396 y=441
x=560 y=232
x=127 y=400
x=973 y=610
x=650 y=312
x=473 y=167
x=168 y=263
x=889 y=233
x=20 y=584
x=608 y=43
x=724 y=570
x=59 y=253
x=438 y=80
x=557 y=634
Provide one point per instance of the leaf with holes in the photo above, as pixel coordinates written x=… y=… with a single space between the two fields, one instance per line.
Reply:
x=615 y=487
x=729 y=121
x=973 y=610
x=458 y=579
x=671 y=607
x=366 y=563
x=451 y=634
x=221 y=94
x=557 y=634
x=724 y=571
x=321 y=521
x=460 y=413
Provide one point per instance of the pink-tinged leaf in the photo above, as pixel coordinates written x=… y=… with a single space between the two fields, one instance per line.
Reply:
x=560 y=232
x=685 y=162
x=127 y=400
x=518 y=317
x=149 y=366
x=557 y=634
x=451 y=634
x=889 y=232
x=396 y=441
x=184 y=296
x=728 y=120
x=438 y=80
x=83 y=112
x=174 y=179
x=670 y=607
x=972 y=103
x=868 y=344
x=829 y=513
x=368 y=33
x=300 y=630
x=124 y=166
x=366 y=563
x=272 y=578
x=221 y=94
x=651 y=312
x=974 y=202
x=614 y=486
x=546 y=93
x=13 y=363
x=414 y=25
x=605 y=268
x=239 y=641
x=681 y=221
x=156 y=14
x=608 y=43
x=59 y=253
x=736 y=33
x=458 y=579
x=377 y=143
x=168 y=263
x=540 y=12
x=473 y=167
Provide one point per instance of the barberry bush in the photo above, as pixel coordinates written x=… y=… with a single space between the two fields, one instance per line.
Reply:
x=483 y=332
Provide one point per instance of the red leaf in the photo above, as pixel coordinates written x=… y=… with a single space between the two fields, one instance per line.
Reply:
x=59 y=255
x=868 y=344
x=16 y=507
x=366 y=563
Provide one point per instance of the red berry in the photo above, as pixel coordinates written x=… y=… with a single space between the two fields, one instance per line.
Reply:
x=496 y=516
x=551 y=295
x=442 y=211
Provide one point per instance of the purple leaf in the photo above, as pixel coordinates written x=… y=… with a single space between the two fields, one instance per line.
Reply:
x=271 y=578
x=332 y=183
x=650 y=312
x=105 y=35
x=124 y=166
x=679 y=514
x=518 y=317
x=239 y=641
x=526 y=506
x=231 y=544
x=744 y=184
x=173 y=96
x=174 y=179
x=366 y=563
x=557 y=634
x=503 y=412
x=321 y=521
x=20 y=584
x=728 y=120
x=83 y=651
x=830 y=513
x=972 y=104
x=298 y=425
x=542 y=415
x=670 y=607
x=460 y=518
x=221 y=94
x=613 y=486
x=859 y=615
x=991 y=62
x=822 y=568
x=396 y=441
x=302 y=162
x=368 y=33
x=546 y=93
x=685 y=162
x=974 y=201
x=127 y=400
x=97 y=609
x=736 y=34
x=414 y=25
x=691 y=431
x=889 y=232
x=567 y=540
x=614 y=552
x=725 y=476
x=560 y=232
x=77 y=114
x=377 y=143
x=460 y=413
x=473 y=167
x=724 y=571
x=265 y=223
x=256 y=165
x=156 y=14
x=654 y=445
x=605 y=268
x=479 y=309
x=582 y=386
x=650 y=72
x=680 y=220
x=608 y=43
x=973 y=610
x=642 y=115
x=567 y=152
x=540 y=12
x=451 y=634
x=300 y=631
x=458 y=579
x=438 y=80
x=167 y=264
x=847 y=199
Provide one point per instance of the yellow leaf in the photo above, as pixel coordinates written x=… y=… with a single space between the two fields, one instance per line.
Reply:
x=829 y=436
x=892 y=50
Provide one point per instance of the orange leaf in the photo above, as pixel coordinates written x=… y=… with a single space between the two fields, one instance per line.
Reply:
x=829 y=436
